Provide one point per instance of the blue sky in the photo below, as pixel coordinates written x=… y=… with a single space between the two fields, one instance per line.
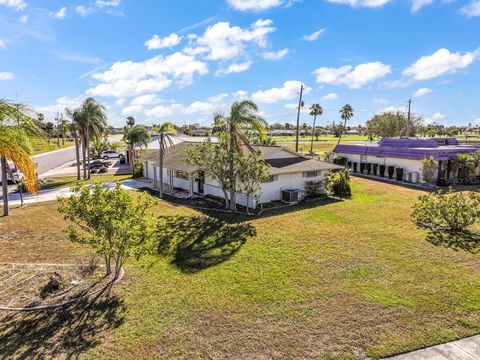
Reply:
x=183 y=60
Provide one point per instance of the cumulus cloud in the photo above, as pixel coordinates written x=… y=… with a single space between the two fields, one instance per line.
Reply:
x=362 y=3
x=440 y=62
x=422 y=92
x=235 y=68
x=82 y=10
x=438 y=116
x=60 y=14
x=24 y=19
x=254 y=5
x=16 y=4
x=61 y=103
x=275 y=55
x=157 y=42
x=472 y=9
x=353 y=77
x=3 y=44
x=6 y=76
x=240 y=94
x=125 y=79
x=314 y=36
x=418 y=4
x=103 y=3
x=331 y=96
x=288 y=91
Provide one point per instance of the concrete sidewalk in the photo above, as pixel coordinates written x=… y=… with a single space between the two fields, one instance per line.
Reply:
x=465 y=349
x=50 y=195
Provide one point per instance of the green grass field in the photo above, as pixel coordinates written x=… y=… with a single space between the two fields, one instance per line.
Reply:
x=282 y=139
x=340 y=280
x=69 y=181
x=42 y=145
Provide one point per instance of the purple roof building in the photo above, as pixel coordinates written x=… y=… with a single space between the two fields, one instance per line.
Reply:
x=407 y=153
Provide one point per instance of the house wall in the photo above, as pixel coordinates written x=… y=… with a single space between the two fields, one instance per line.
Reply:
x=408 y=165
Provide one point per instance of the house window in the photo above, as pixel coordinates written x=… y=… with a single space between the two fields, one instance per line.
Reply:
x=271 y=178
x=310 y=174
x=181 y=175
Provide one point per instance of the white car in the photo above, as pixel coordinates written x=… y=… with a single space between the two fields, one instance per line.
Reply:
x=17 y=177
x=108 y=154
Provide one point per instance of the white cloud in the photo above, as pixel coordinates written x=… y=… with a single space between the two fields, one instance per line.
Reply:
x=149 y=99
x=61 y=103
x=3 y=44
x=291 y=106
x=275 y=55
x=6 y=76
x=288 y=91
x=157 y=42
x=102 y=3
x=362 y=3
x=224 y=42
x=314 y=36
x=78 y=57
x=391 y=109
x=422 y=92
x=17 y=4
x=353 y=77
x=125 y=79
x=133 y=110
x=418 y=4
x=472 y=9
x=235 y=68
x=440 y=62
x=60 y=14
x=82 y=10
x=331 y=96
x=254 y=5
x=438 y=116
x=380 y=101
x=24 y=19
x=240 y=94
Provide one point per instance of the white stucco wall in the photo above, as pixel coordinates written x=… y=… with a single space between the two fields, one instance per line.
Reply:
x=407 y=164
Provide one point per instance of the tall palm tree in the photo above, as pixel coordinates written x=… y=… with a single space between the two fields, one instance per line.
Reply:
x=165 y=144
x=243 y=117
x=346 y=113
x=76 y=117
x=136 y=135
x=95 y=121
x=130 y=121
x=315 y=110
x=16 y=126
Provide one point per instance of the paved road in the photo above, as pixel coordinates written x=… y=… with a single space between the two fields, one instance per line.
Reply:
x=53 y=159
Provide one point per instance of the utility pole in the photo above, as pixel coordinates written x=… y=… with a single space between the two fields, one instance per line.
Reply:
x=58 y=130
x=409 y=114
x=300 y=104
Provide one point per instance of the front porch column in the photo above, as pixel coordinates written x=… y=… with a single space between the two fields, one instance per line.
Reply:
x=154 y=176
x=170 y=173
x=190 y=181
x=145 y=169
x=439 y=172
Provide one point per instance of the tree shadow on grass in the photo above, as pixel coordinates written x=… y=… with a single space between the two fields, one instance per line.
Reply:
x=198 y=242
x=60 y=333
x=461 y=240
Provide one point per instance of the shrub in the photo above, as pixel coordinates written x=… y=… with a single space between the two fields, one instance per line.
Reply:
x=451 y=211
x=137 y=169
x=369 y=168
x=362 y=167
x=375 y=169
x=391 y=170
x=338 y=184
x=355 y=167
x=340 y=161
x=102 y=170
x=349 y=164
x=314 y=188
x=382 y=170
x=429 y=166
x=399 y=174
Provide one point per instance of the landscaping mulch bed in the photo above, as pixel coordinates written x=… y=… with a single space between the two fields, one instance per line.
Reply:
x=38 y=285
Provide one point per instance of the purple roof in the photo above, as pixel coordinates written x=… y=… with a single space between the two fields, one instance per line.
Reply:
x=410 y=148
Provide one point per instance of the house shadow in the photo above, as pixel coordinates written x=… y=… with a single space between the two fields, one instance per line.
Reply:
x=195 y=243
x=60 y=333
x=462 y=240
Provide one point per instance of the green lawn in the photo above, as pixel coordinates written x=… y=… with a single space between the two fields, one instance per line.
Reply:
x=280 y=139
x=341 y=280
x=68 y=181
x=42 y=145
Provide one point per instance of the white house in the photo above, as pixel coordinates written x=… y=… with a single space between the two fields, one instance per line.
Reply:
x=288 y=173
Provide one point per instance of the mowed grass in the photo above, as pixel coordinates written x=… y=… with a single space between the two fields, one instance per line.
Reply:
x=41 y=145
x=341 y=280
x=69 y=181
x=352 y=137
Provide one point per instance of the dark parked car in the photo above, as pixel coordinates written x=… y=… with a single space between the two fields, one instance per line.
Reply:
x=97 y=164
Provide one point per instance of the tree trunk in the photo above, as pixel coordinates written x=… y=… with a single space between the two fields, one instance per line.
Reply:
x=77 y=152
x=4 y=186
x=161 y=164
x=84 y=156
x=344 y=128
x=88 y=152
x=227 y=202
x=313 y=134
x=232 y=173
x=108 y=267
x=131 y=157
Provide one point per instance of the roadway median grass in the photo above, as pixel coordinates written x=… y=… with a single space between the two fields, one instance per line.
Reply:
x=343 y=280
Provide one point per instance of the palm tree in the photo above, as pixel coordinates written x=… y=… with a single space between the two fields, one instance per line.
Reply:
x=464 y=165
x=130 y=121
x=15 y=128
x=346 y=113
x=242 y=118
x=75 y=125
x=315 y=110
x=95 y=122
x=165 y=143
x=136 y=135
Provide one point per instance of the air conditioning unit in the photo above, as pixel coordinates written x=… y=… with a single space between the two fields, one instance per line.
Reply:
x=290 y=196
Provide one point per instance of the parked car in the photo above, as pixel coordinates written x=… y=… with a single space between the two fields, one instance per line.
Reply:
x=108 y=154
x=97 y=164
x=17 y=177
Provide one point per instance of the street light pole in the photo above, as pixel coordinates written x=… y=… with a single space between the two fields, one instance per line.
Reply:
x=298 y=117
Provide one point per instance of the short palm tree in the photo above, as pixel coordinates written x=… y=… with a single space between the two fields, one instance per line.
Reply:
x=243 y=117
x=94 y=122
x=74 y=126
x=315 y=110
x=130 y=121
x=464 y=165
x=16 y=126
x=165 y=143
x=134 y=136
x=346 y=113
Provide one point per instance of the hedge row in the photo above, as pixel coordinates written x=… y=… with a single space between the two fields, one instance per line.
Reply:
x=377 y=169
